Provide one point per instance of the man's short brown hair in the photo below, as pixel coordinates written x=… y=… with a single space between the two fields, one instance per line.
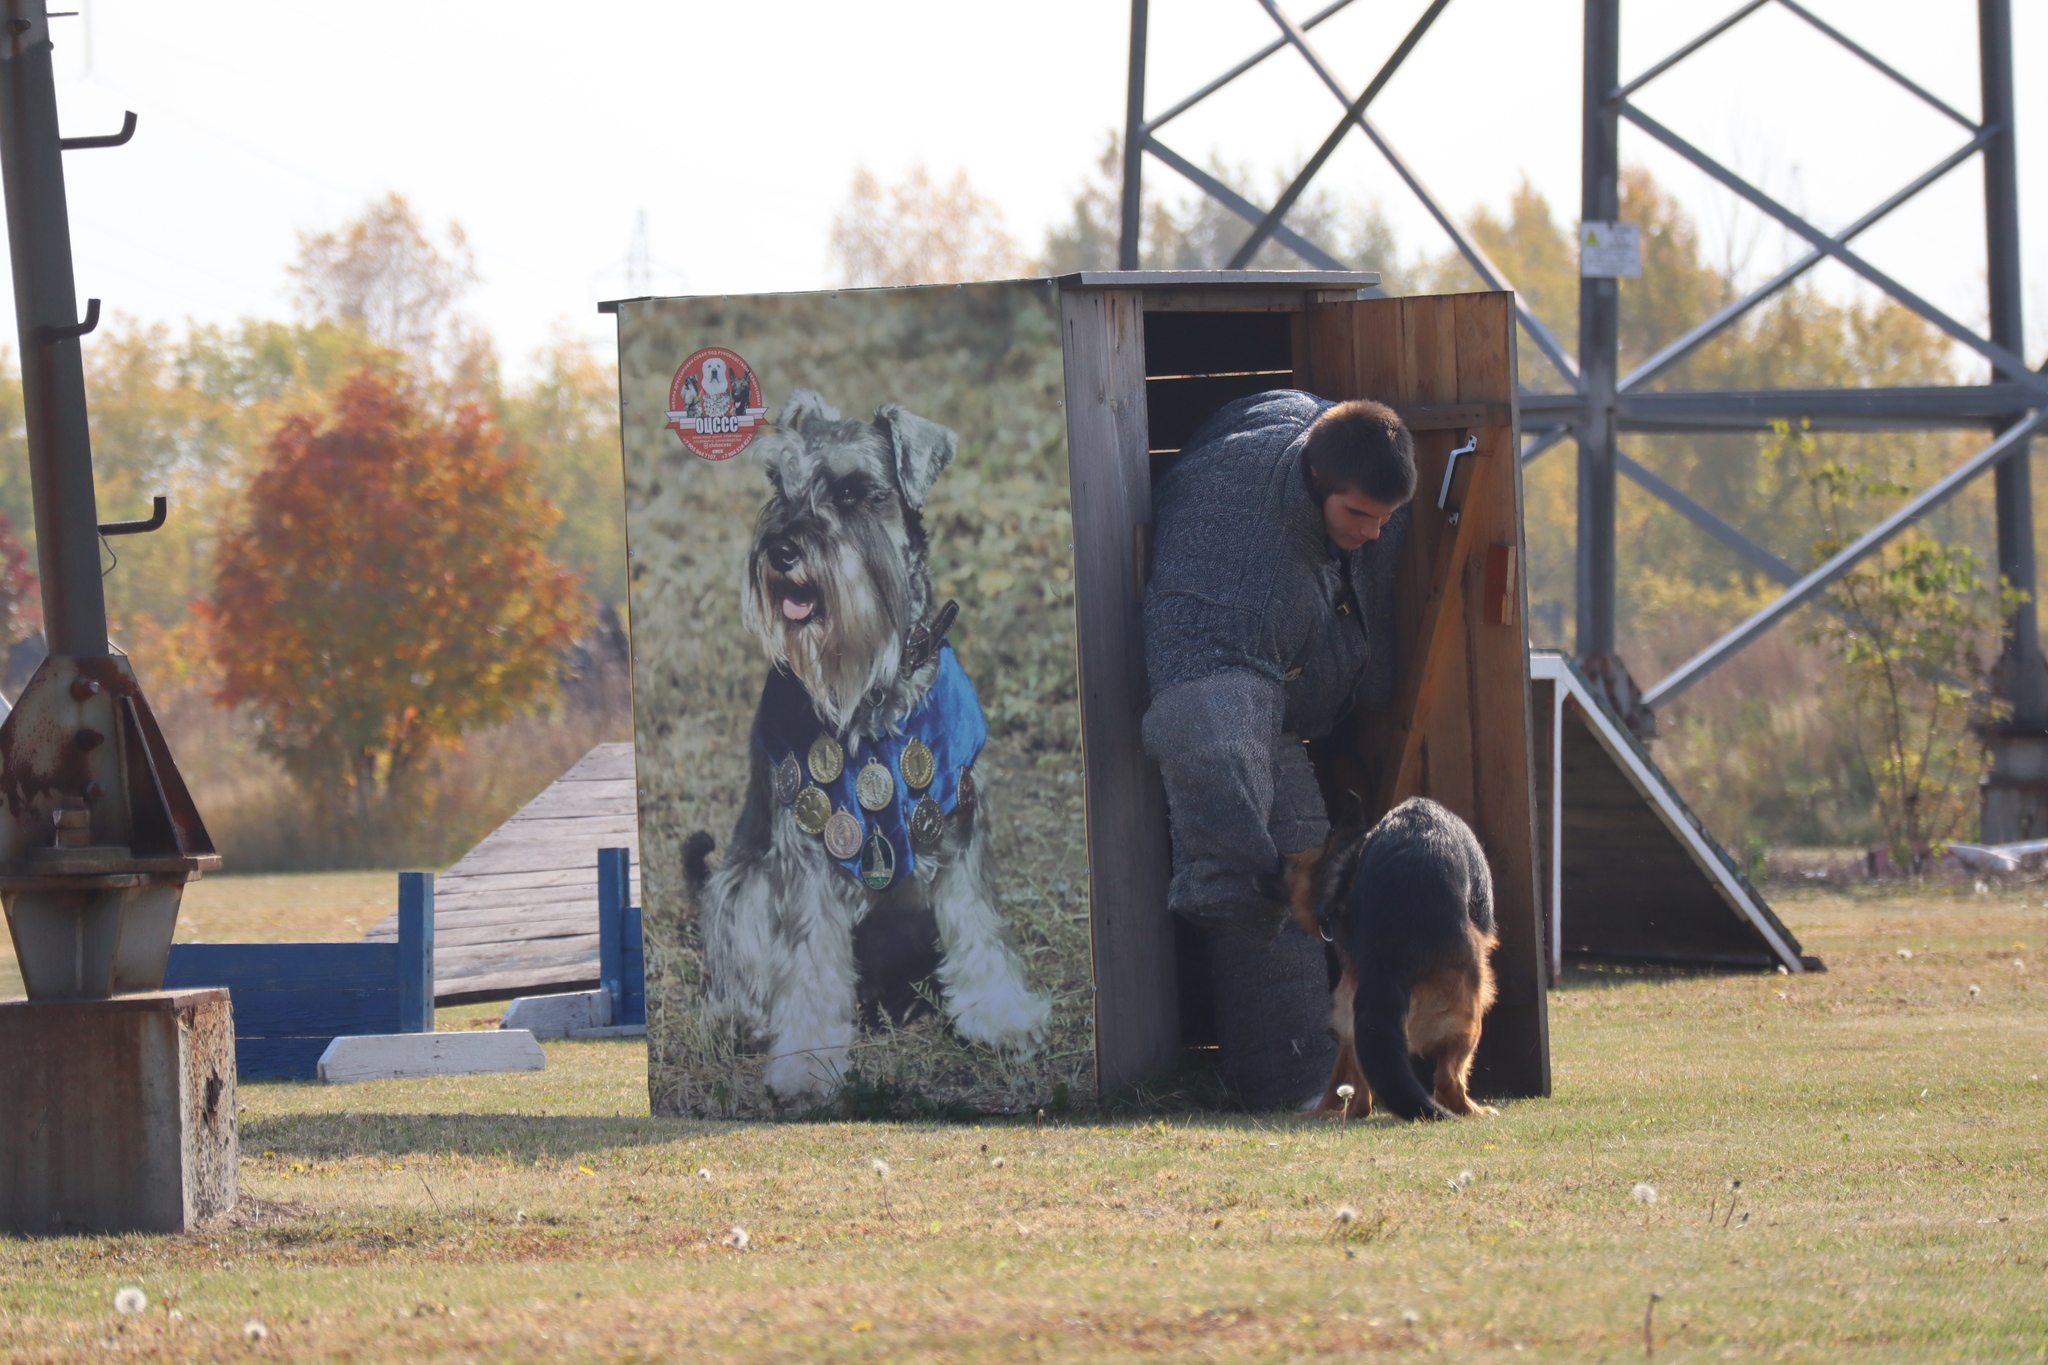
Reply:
x=1362 y=446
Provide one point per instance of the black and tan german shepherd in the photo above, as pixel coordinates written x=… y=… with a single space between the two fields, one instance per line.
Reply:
x=1408 y=905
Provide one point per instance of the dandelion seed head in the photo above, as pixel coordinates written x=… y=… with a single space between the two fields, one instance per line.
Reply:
x=1782 y=971
x=1644 y=1192
x=998 y=1163
x=1346 y=1214
x=2017 y=963
x=255 y=1331
x=736 y=1238
x=129 y=1300
x=1346 y=1091
x=704 y=1173
x=1465 y=1178
x=1975 y=991
x=1905 y=954
x=881 y=1167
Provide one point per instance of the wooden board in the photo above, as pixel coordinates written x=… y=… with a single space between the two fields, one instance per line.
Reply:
x=391 y=1055
x=1137 y=1028
x=1460 y=728
x=518 y=913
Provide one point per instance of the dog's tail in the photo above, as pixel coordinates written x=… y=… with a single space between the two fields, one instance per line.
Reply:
x=1380 y=1026
x=696 y=871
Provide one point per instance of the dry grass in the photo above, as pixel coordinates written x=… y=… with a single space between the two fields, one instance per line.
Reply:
x=1886 y=1124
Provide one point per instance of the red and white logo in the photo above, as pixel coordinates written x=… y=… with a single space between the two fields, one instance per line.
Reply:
x=715 y=404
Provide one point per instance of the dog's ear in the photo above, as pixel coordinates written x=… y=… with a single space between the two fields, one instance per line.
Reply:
x=804 y=407
x=922 y=448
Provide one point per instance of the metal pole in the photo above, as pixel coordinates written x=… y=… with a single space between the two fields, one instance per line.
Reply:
x=1134 y=144
x=45 y=309
x=2027 y=681
x=1599 y=336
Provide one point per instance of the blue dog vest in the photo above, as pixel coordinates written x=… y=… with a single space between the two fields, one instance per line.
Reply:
x=949 y=721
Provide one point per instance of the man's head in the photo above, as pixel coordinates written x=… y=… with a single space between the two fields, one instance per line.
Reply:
x=1361 y=466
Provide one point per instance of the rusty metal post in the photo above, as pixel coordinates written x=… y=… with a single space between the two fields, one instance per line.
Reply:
x=46 y=316
x=98 y=835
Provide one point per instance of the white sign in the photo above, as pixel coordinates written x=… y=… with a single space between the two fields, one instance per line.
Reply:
x=1610 y=251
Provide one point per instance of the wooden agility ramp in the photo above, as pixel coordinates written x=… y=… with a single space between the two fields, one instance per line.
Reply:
x=1631 y=875
x=518 y=914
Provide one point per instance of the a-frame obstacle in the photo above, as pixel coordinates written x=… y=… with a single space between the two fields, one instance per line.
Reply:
x=1630 y=873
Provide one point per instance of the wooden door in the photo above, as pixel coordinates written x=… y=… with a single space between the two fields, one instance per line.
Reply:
x=1459 y=731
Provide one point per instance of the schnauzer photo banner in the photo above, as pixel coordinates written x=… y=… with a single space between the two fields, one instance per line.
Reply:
x=854 y=688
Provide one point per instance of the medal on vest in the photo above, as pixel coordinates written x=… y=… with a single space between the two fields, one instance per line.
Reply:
x=918 y=767
x=927 y=825
x=828 y=760
x=789 y=780
x=967 y=792
x=875 y=788
x=812 y=810
x=842 y=834
x=877 y=862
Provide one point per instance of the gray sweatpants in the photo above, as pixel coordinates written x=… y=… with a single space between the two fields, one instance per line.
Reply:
x=1240 y=794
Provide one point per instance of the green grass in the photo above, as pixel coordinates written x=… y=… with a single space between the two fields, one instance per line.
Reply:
x=1886 y=1124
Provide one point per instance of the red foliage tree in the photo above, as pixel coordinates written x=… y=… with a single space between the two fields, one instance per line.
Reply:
x=389 y=592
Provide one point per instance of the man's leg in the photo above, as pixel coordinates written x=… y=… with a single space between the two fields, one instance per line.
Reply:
x=1273 y=1000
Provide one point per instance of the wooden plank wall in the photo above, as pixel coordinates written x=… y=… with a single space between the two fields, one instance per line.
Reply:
x=1461 y=729
x=1137 y=1023
x=517 y=914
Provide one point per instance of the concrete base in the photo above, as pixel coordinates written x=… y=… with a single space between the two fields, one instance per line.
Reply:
x=117 y=1115
x=2014 y=798
x=559 y=1016
x=388 y=1056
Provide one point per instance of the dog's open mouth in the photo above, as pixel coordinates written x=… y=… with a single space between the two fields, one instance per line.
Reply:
x=798 y=601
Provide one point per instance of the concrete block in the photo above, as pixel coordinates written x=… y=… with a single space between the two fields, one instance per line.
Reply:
x=117 y=1115
x=612 y=1031
x=558 y=1016
x=384 y=1056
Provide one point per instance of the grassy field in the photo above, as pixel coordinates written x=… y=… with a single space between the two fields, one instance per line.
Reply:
x=1886 y=1122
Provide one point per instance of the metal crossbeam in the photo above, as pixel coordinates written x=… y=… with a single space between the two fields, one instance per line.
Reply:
x=1699 y=515
x=1241 y=206
x=1843 y=561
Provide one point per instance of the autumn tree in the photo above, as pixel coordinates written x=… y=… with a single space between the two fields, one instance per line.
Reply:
x=919 y=231
x=388 y=592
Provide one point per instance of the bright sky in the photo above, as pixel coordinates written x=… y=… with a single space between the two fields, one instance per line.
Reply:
x=546 y=129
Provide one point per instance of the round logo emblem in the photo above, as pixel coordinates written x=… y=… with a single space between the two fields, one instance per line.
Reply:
x=715 y=404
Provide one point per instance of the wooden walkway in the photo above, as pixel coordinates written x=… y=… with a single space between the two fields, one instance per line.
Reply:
x=518 y=914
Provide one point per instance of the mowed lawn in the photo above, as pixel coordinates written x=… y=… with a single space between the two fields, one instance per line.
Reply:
x=1885 y=1120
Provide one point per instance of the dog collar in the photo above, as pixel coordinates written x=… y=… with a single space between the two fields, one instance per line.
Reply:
x=926 y=763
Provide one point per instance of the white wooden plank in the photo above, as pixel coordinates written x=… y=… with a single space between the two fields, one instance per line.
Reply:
x=384 y=1056
x=558 y=1015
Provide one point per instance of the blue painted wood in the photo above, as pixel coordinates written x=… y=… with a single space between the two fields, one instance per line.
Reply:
x=307 y=1014
x=279 y=1058
x=416 y=952
x=614 y=885
x=630 y=1005
x=283 y=966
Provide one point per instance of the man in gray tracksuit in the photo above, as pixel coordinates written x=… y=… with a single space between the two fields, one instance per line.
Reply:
x=1268 y=618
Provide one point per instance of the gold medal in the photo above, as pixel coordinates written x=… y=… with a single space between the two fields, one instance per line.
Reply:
x=875 y=788
x=917 y=765
x=842 y=834
x=789 y=779
x=813 y=808
x=877 y=862
x=927 y=825
x=967 y=792
x=828 y=760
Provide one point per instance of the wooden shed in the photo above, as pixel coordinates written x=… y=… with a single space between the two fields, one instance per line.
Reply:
x=1149 y=356
x=517 y=914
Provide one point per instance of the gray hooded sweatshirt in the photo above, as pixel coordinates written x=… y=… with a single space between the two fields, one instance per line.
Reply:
x=1260 y=635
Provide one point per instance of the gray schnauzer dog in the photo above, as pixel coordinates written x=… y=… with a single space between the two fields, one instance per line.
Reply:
x=865 y=735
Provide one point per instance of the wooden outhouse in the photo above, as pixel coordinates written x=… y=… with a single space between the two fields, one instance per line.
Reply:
x=1149 y=356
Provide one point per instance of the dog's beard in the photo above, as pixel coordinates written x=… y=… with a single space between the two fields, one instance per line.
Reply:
x=837 y=623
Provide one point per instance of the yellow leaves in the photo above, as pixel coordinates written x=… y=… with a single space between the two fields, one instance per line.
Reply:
x=586 y=1170
x=864 y=1325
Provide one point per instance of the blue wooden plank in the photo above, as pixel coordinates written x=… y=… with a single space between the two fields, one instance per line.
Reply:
x=279 y=1058
x=282 y=966
x=300 y=1014
x=629 y=1006
x=614 y=885
x=416 y=952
